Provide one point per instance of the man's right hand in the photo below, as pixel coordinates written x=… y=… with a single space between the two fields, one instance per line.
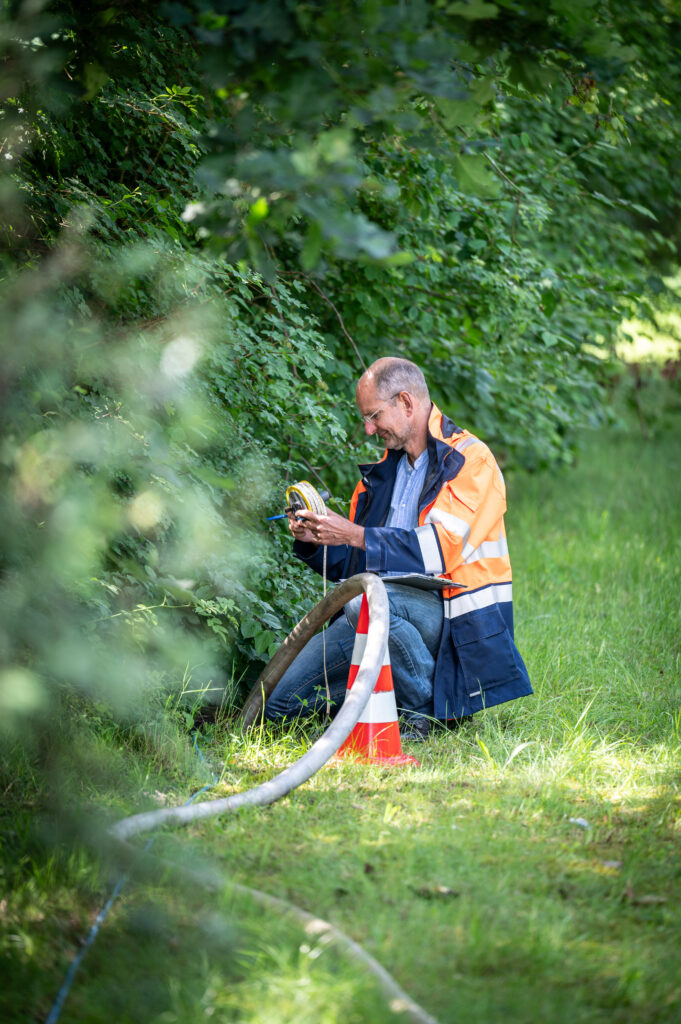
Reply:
x=300 y=530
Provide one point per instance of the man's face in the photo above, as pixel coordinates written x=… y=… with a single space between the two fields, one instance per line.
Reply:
x=383 y=416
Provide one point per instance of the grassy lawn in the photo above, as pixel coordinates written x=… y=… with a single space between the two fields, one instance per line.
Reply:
x=528 y=871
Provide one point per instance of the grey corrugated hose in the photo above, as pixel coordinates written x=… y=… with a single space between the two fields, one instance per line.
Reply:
x=315 y=758
x=327 y=745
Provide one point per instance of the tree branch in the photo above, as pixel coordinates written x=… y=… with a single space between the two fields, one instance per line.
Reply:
x=571 y=156
x=501 y=174
x=325 y=297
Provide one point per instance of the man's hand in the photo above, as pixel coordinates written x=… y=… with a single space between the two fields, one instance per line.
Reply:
x=328 y=529
x=300 y=529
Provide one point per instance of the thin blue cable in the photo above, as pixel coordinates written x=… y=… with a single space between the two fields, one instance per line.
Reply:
x=76 y=962
x=58 y=1004
x=198 y=751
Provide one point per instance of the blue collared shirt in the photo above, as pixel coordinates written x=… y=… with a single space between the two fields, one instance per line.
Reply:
x=404 y=504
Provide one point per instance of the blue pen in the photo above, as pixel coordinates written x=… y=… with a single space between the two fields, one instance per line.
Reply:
x=284 y=515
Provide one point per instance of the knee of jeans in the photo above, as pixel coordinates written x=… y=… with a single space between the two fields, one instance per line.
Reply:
x=275 y=707
x=290 y=706
x=352 y=610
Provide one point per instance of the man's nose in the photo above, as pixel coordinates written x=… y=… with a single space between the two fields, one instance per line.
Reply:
x=370 y=427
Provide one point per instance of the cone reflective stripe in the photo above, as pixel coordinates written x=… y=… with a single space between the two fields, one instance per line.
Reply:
x=384 y=683
x=376 y=737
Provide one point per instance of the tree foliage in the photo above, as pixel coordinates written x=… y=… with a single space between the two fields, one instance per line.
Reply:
x=215 y=214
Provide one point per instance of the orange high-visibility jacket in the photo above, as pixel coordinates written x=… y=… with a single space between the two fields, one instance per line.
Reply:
x=460 y=535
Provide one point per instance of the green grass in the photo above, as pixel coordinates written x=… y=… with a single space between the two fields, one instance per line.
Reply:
x=465 y=876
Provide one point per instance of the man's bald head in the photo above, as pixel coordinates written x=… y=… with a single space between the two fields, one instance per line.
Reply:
x=391 y=375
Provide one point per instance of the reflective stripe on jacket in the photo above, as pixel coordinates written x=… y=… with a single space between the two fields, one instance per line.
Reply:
x=460 y=535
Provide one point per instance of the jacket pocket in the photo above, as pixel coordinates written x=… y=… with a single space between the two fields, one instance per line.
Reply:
x=485 y=650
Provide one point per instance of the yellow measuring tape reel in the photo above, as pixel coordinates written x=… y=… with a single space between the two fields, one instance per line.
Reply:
x=299 y=496
x=303 y=495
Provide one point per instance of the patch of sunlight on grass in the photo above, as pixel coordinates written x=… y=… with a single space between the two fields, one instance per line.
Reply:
x=283 y=984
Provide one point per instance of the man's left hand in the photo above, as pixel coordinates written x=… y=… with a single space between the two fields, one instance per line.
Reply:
x=333 y=529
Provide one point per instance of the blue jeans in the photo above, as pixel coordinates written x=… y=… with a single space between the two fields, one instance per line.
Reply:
x=415 y=628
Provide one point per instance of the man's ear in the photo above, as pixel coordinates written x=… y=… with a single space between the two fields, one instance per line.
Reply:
x=407 y=401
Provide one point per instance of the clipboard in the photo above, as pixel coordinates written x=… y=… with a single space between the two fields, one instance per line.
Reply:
x=420 y=581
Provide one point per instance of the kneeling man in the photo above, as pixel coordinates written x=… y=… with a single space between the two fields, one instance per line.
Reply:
x=434 y=504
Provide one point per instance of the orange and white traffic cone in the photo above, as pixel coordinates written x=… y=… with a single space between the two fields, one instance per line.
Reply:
x=376 y=737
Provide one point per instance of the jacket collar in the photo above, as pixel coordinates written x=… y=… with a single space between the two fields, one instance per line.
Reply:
x=442 y=458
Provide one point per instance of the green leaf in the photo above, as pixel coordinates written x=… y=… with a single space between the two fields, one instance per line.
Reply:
x=458 y=113
x=482 y=90
x=483 y=746
x=258 y=211
x=549 y=301
x=473 y=10
x=400 y=259
x=263 y=640
x=517 y=750
x=643 y=210
x=472 y=173
x=95 y=78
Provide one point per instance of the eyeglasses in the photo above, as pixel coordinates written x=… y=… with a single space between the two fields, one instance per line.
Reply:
x=372 y=416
